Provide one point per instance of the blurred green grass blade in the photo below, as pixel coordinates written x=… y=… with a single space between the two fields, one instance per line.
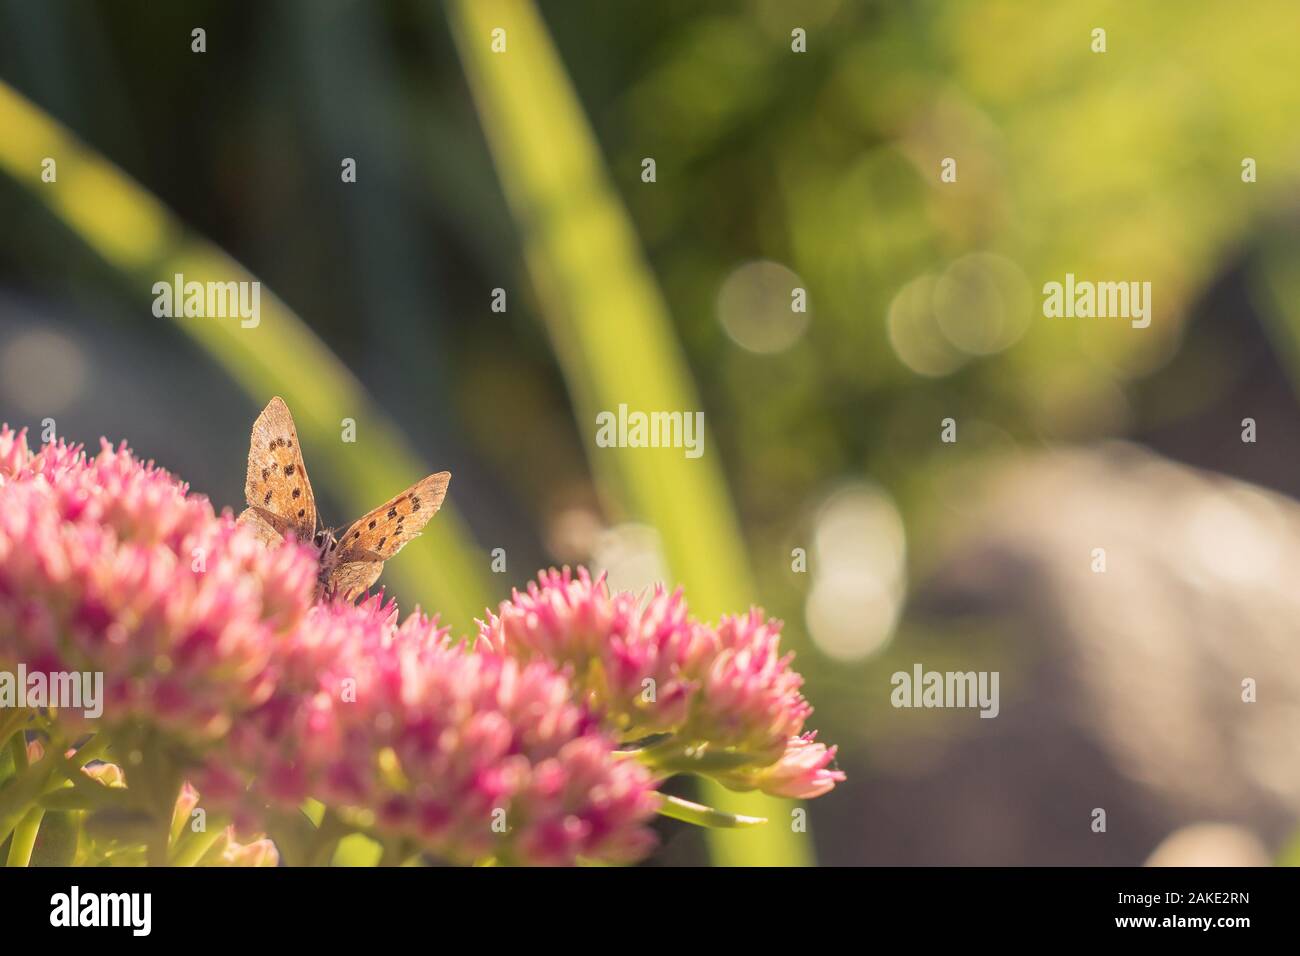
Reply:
x=140 y=237
x=1290 y=852
x=610 y=328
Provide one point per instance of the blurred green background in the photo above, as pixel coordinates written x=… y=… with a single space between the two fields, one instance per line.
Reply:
x=775 y=170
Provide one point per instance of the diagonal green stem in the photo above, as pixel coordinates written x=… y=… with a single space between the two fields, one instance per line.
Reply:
x=18 y=748
x=24 y=840
x=12 y=723
x=143 y=240
x=22 y=790
x=610 y=328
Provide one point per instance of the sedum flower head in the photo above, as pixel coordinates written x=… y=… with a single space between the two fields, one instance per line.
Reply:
x=109 y=565
x=749 y=696
x=647 y=668
x=466 y=754
x=630 y=661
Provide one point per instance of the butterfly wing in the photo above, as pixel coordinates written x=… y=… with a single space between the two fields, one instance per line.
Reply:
x=269 y=528
x=355 y=577
x=375 y=537
x=276 y=486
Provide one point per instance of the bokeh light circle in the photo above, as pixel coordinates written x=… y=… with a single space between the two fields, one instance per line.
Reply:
x=756 y=307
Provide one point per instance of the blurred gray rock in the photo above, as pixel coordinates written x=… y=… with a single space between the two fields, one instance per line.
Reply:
x=1130 y=694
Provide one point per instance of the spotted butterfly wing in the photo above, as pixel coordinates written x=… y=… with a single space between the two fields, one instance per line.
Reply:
x=354 y=577
x=375 y=537
x=269 y=528
x=276 y=487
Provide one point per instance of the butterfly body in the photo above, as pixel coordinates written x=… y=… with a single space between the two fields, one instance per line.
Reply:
x=281 y=506
x=326 y=543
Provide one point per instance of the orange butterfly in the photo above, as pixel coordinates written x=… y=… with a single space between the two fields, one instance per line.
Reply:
x=281 y=504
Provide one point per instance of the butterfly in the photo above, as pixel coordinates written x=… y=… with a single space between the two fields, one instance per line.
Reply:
x=281 y=505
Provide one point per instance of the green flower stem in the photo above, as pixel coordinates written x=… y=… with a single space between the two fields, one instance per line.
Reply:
x=157 y=779
x=11 y=724
x=698 y=757
x=157 y=845
x=18 y=747
x=702 y=816
x=192 y=846
x=22 y=789
x=71 y=767
x=20 y=849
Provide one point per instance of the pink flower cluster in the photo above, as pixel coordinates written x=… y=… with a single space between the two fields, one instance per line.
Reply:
x=635 y=665
x=108 y=565
x=468 y=754
x=648 y=668
x=509 y=749
x=201 y=632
